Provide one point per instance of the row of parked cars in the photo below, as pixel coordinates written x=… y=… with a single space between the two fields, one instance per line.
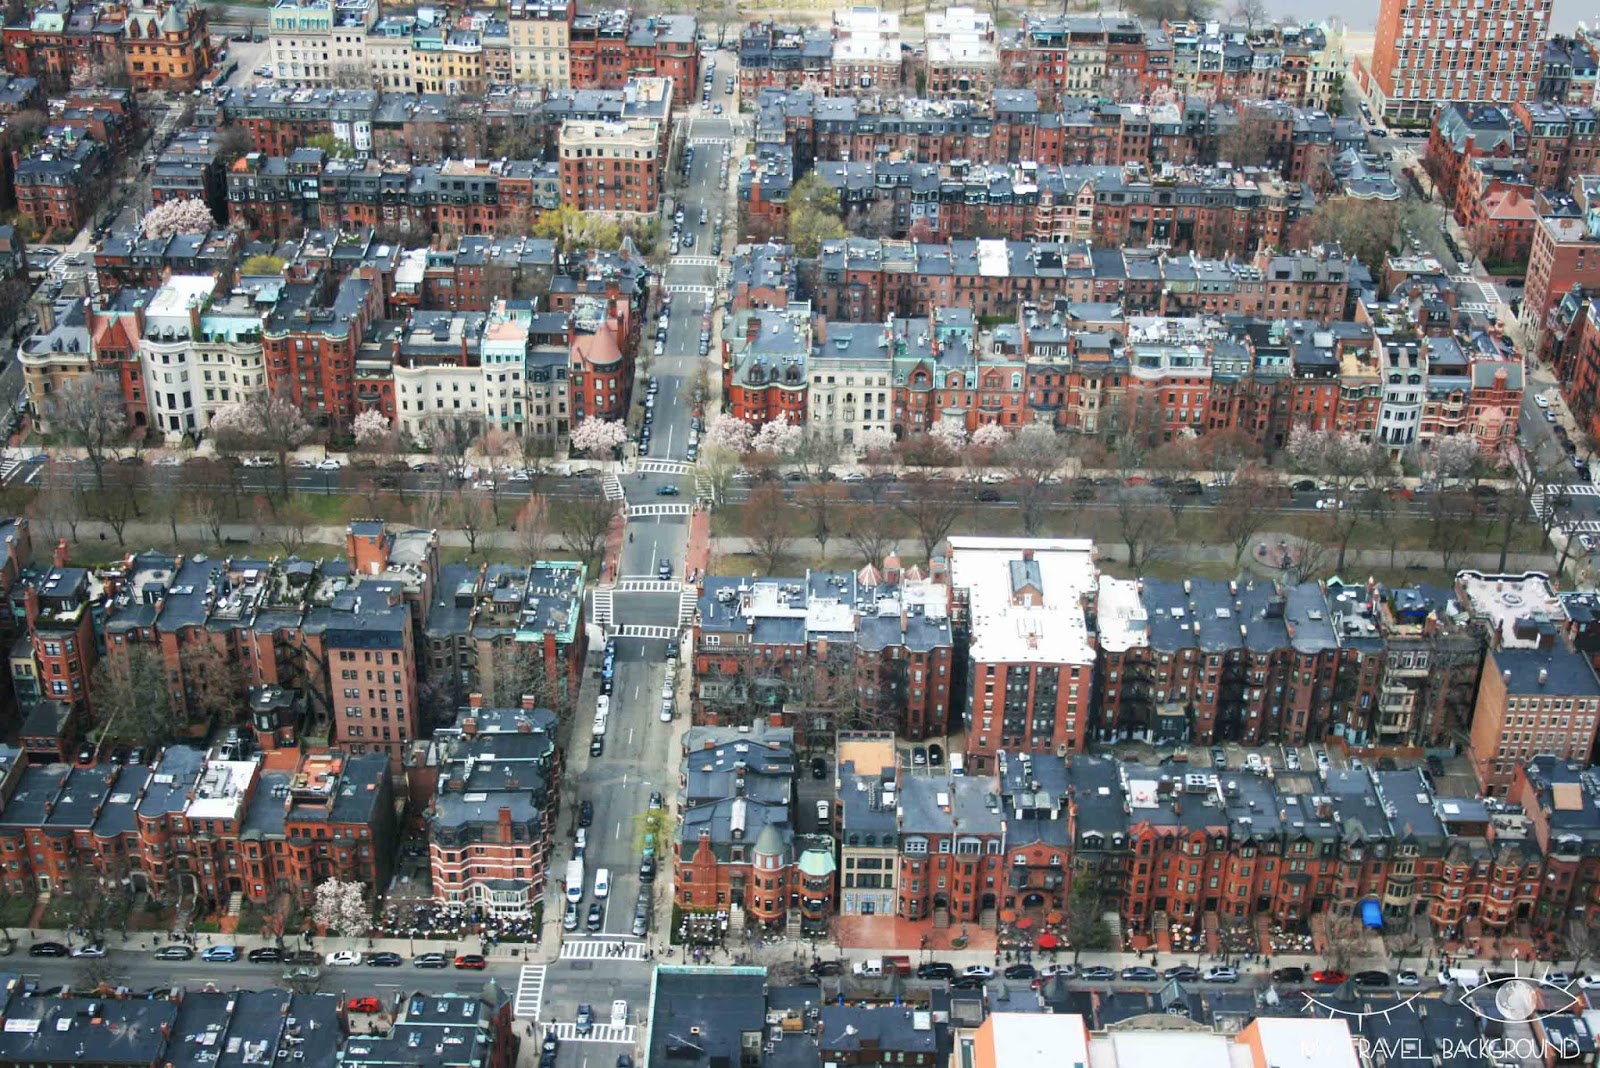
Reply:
x=228 y=954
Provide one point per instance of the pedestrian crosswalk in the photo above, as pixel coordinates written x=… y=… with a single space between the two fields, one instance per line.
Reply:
x=647 y=511
x=600 y=606
x=530 y=991
x=664 y=467
x=643 y=585
x=612 y=486
x=601 y=949
x=645 y=630
x=687 y=599
x=568 y=1032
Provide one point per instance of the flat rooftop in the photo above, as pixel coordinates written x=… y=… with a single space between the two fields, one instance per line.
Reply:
x=1026 y=597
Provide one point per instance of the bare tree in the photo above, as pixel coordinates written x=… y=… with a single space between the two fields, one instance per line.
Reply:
x=208 y=512
x=87 y=413
x=1243 y=510
x=766 y=521
x=583 y=525
x=934 y=507
x=118 y=501
x=471 y=514
x=1452 y=526
x=1033 y=459
x=821 y=503
x=868 y=535
x=292 y=528
x=59 y=502
x=451 y=441
x=1143 y=525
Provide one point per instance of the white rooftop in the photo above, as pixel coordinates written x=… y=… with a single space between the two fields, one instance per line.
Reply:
x=178 y=294
x=1008 y=627
x=1163 y=1049
x=1123 y=622
x=220 y=794
x=1035 y=1040
x=866 y=35
x=961 y=35
x=1302 y=1043
x=1505 y=599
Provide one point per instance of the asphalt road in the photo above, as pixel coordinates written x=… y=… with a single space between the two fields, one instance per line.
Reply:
x=639 y=756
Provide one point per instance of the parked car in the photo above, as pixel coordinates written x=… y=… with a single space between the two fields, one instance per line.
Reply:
x=829 y=967
x=220 y=955
x=1140 y=975
x=265 y=955
x=597 y=917
x=586 y=814
x=585 y=1021
x=1183 y=973
x=384 y=960
x=979 y=971
x=1221 y=975
x=92 y=950
x=569 y=918
x=429 y=960
x=1407 y=977
x=819 y=768
x=1097 y=973
x=1329 y=977
x=1289 y=975
x=936 y=969
x=343 y=958
x=471 y=962
x=174 y=953
x=48 y=949
x=935 y=756
x=1022 y=971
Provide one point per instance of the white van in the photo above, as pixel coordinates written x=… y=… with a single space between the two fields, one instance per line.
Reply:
x=666 y=711
x=822 y=812
x=1466 y=978
x=574 y=881
x=958 y=764
x=602 y=882
x=619 y=1013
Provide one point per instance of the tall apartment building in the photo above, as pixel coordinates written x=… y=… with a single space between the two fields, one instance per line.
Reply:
x=540 y=32
x=1538 y=695
x=961 y=60
x=198 y=353
x=320 y=42
x=611 y=166
x=877 y=640
x=1566 y=251
x=494 y=808
x=310 y=346
x=1426 y=51
x=1021 y=604
x=866 y=50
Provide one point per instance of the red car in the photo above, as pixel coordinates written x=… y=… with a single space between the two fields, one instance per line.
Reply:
x=1328 y=978
x=366 y=1004
x=472 y=961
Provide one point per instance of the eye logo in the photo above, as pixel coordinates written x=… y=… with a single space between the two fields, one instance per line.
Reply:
x=1504 y=1000
x=1518 y=999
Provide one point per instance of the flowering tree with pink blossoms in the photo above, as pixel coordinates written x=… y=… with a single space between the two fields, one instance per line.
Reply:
x=598 y=437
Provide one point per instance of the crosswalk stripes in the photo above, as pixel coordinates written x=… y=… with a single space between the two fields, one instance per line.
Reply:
x=683 y=287
x=646 y=511
x=686 y=603
x=612 y=487
x=567 y=1031
x=644 y=585
x=601 y=605
x=601 y=949
x=694 y=261
x=530 y=991
x=644 y=630
x=664 y=467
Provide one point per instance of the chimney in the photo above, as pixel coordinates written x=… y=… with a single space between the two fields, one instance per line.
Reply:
x=902 y=618
x=30 y=602
x=60 y=556
x=528 y=702
x=475 y=700
x=752 y=329
x=1027 y=554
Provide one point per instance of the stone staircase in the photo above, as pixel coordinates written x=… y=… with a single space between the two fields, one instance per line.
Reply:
x=235 y=903
x=989 y=919
x=1113 y=920
x=941 y=919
